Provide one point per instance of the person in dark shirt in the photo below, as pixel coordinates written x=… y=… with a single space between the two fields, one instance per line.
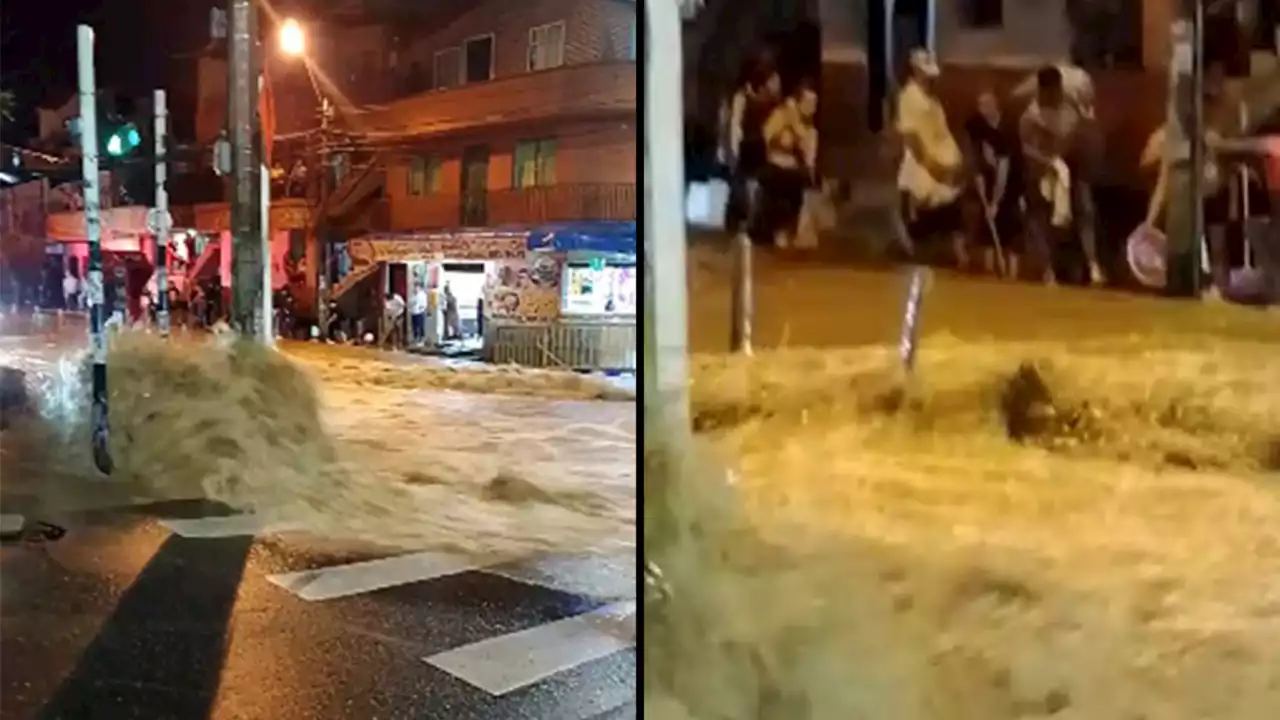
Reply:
x=997 y=188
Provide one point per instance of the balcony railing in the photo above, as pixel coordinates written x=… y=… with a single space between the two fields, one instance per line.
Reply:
x=517 y=206
x=569 y=91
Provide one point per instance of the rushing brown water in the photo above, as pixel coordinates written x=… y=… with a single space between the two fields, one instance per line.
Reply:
x=1050 y=529
x=340 y=445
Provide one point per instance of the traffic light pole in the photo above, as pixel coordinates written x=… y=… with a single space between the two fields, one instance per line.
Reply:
x=247 y=304
x=93 y=231
x=163 y=222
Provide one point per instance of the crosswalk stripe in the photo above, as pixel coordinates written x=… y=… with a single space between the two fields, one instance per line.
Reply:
x=509 y=662
x=346 y=580
x=10 y=524
x=229 y=526
x=609 y=576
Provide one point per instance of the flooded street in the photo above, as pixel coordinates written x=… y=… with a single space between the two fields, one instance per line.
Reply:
x=398 y=457
x=1071 y=511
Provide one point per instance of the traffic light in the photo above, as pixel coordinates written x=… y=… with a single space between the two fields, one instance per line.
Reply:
x=123 y=140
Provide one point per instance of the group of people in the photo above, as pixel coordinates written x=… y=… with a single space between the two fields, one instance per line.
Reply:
x=1025 y=189
x=1009 y=190
x=769 y=150
x=419 y=307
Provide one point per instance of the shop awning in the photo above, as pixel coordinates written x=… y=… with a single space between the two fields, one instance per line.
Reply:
x=604 y=237
x=599 y=236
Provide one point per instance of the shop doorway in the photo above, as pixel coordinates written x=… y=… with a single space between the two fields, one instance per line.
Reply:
x=466 y=281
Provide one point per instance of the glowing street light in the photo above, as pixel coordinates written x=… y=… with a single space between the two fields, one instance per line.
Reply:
x=293 y=41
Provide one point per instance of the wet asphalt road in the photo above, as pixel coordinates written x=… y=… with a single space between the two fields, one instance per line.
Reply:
x=123 y=618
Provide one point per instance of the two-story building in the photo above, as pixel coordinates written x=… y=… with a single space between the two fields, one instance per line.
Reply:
x=506 y=170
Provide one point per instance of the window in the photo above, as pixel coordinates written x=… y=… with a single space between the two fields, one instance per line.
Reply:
x=546 y=46
x=632 y=50
x=983 y=13
x=479 y=59
x=424 y=175
x=535 y=164
x=446 y=70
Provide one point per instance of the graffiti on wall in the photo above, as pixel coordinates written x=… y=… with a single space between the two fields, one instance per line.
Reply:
x=527 y=289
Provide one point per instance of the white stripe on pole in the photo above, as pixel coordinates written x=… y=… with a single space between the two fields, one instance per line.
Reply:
x=509 y=662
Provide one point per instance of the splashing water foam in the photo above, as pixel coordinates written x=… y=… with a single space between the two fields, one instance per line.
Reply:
x=1039 y=530
x=245 y=425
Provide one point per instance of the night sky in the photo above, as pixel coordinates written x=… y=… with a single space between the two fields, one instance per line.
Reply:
x=141 y=44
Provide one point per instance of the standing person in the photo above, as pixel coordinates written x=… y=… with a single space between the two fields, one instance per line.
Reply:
x=1216 y=185
x=749 y=110
x=393 y=312
x=1045 y=132
x=70 y=291
x=998 y=188
x=418 y=314
x=452 y=331
x=929 y=176
x=198 y=308
x=792 y=145
x=1082 y=153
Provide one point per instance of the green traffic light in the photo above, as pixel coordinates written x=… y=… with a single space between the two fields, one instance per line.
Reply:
x=124 y=140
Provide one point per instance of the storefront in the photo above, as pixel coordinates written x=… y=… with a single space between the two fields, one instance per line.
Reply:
x=546 y=296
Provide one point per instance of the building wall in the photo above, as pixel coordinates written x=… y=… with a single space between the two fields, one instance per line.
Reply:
x=1033 y=31
x=586 y=153
x=595 y=30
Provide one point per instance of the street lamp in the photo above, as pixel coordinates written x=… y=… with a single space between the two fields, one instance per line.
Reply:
x=293 y=41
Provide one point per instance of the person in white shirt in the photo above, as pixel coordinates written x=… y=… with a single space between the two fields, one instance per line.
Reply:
x=394 y=316
x=418 y=314
x=930 y=175
x=70 y=291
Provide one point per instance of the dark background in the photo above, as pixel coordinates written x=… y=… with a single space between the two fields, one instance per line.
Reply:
x=142 y=45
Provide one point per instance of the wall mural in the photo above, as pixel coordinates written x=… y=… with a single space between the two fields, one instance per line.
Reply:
x=527 y=289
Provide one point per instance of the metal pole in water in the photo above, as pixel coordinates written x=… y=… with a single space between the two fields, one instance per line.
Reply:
x=93 y=231
x=163 y=221
x=743 y=295
x=909 y=340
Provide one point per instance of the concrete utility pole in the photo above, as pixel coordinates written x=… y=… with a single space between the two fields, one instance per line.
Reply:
x=247 y=302
x=93 y=231
x=1185 y=152
x=321 y=173
x=666 y=324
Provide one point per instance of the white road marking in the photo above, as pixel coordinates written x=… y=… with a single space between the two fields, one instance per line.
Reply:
x=11 y=524
x=346 y=580
x=229 y=526
x=610 y=577
x=509 y=662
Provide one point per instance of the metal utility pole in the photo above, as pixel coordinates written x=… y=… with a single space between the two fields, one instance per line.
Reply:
x=1185 y=152
x=247 y=305
x=321 y=172
x=93 y=231
x=162 y=224
x=666 y=334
